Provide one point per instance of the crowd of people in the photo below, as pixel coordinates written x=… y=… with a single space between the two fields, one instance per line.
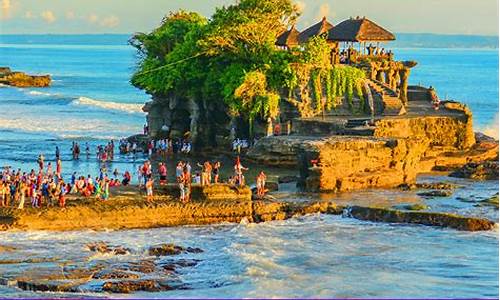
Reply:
x=161 y=147
x=46 y=187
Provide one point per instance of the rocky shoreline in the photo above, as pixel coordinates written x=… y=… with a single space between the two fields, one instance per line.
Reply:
x=211 y=205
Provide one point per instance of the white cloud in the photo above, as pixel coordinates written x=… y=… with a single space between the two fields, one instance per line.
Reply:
x=48 y=16
x=70 y=15
x=29 y=15
x=110 y=21
x=92 y=18
x=6 y=9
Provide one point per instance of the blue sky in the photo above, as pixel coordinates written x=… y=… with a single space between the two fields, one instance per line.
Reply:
x=127 y=16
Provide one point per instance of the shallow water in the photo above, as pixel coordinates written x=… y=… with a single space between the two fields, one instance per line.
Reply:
x=314 y=256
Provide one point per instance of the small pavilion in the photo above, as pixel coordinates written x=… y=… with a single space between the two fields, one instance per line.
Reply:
x=320 y=28
x=288 y=39
x=361 y=31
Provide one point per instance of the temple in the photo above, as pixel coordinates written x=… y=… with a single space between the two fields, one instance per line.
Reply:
x=347 y=119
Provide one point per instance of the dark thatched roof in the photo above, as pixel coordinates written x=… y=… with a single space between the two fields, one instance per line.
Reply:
x=288 y=38
x=317 y=29
x=359 y=30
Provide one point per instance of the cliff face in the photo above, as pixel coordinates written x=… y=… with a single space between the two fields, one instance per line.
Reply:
x=350 y=163
x=20 y=79
x=453 y=131
x=204 y=122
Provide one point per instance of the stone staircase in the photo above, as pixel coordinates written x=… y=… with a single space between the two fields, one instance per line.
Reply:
x=392 y=105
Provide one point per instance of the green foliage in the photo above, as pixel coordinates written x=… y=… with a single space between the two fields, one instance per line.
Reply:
x=191 y=57
x=316 y=52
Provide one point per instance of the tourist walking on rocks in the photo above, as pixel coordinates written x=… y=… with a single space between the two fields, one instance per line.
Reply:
x=149 y=189
x=261 y=184
x=139 y=175
x=22 y=194
x=163 y=173
x=238 y=170
x=206 y=173
x=186 y=178
x=215 y=171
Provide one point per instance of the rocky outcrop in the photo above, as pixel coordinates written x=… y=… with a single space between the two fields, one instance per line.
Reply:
x=417 y=217
x=20 y=79
x=171 y=249
x=451 y=131
x=487 y=170
x=349 y=163
x=135 y=212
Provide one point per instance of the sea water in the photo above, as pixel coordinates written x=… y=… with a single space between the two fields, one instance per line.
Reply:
x=91 y=101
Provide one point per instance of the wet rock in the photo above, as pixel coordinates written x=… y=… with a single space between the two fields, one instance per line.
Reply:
x=417 y=217
x=414 y=207
x=487 y=170
x=436 y=193
x=171 y=249
x=47 y=286
x=435 y=186
x=172 y=265
x=115 y=274
x=104 y=248
x=144 y=266
x=194 y=250
x=130 y=286
x=493 y=202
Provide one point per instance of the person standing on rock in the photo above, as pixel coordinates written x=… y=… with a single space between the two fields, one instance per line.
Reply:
x=186 y=178
x=238 y=170
x=215 y=171
x=149 y=189
x=163 y=173
x=261 y=184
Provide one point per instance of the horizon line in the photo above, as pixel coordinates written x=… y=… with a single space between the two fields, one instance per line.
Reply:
x=131 y=33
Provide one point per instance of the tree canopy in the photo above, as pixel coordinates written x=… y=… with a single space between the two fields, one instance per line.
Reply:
x=231 y=57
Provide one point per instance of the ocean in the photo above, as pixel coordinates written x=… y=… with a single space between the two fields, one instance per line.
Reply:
x=92 y=101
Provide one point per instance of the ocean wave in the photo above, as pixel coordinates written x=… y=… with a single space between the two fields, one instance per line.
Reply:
x=38 y=93
x=125 y=107
x=69 y=128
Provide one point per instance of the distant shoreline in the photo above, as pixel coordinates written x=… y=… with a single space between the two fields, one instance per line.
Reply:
x=403 y=40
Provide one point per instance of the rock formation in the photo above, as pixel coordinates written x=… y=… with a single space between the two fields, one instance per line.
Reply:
x=20 y=79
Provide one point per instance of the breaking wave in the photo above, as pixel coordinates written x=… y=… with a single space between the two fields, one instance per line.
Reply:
x=125 y=107
x=492 y=128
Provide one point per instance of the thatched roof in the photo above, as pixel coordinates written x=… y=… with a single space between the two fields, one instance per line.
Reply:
x=289 y=38
x=317 y=29
x=359 y=30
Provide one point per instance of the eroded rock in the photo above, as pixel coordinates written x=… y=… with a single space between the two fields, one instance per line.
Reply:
x=171 y=249
x=487 y=170
x=417 y=217
x=436 y=193
x=102 y=247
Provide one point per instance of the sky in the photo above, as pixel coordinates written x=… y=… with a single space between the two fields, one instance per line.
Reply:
x=479 y=17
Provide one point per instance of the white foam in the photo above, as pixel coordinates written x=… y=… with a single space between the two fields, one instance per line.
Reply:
x=69 y=128
x=491 y=129
x=125 y=107
x=38 y=93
